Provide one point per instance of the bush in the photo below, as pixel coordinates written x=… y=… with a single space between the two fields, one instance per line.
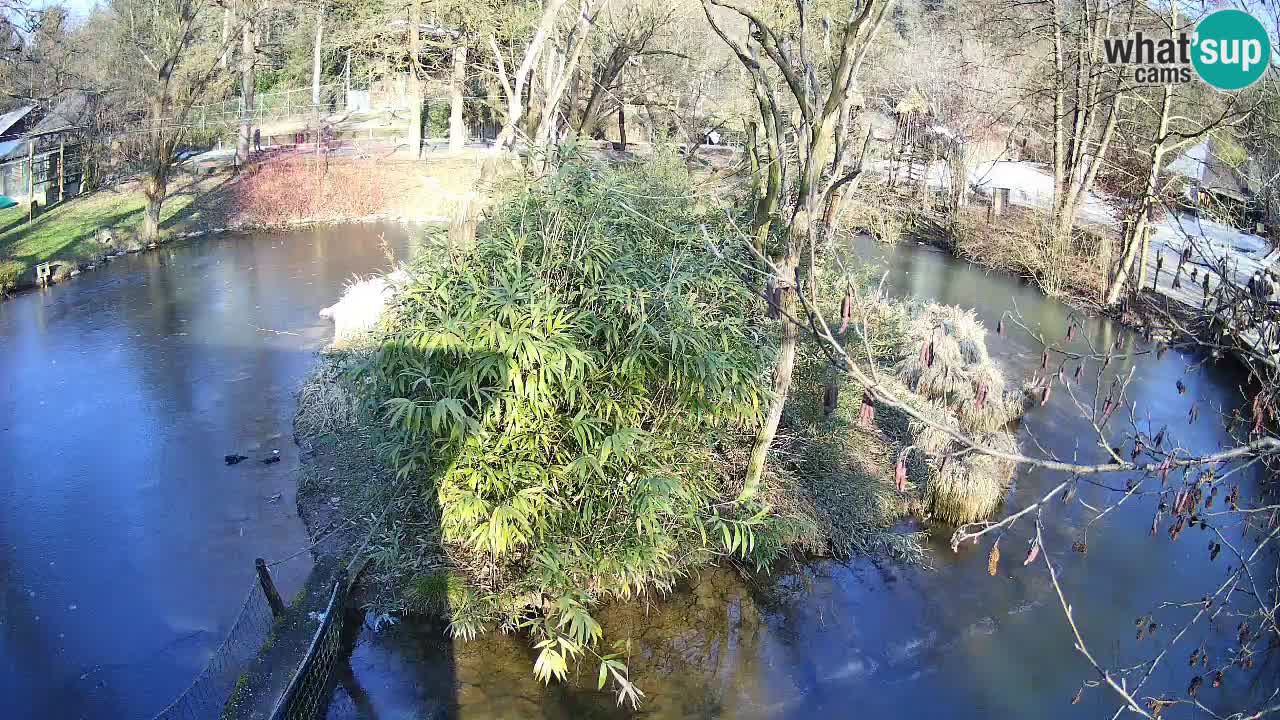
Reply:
x=875 y=209
x=1022 y=242
x=10 y=271
x=288 y=191
x=560 y=389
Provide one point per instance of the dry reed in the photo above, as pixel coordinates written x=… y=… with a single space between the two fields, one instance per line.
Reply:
x=959 y=387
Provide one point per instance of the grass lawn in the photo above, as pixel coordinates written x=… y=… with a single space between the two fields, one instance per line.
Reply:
x=66 y=231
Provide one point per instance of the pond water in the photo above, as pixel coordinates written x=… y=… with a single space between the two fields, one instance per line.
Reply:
x=872 y=638
x=126 y=544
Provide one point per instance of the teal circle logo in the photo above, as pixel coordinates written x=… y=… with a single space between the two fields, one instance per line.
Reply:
x=1231 y=49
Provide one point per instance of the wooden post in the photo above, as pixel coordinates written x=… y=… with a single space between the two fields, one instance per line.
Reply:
x=269 y=587
x=622 y=128
x=62 y=149
x=31 y=179
x=319 y=130
x=999 y=199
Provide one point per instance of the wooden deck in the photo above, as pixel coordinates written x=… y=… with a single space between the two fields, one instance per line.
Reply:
x=1190 y=294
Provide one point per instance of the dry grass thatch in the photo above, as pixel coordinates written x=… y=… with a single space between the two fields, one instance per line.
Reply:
x=958 y=372
x=960 y=388
x=327 y=401
x=972 y=487
x=928 y=439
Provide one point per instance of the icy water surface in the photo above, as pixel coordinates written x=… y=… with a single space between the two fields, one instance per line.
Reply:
x=126 y=545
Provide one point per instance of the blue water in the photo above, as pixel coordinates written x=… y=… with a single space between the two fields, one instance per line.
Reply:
x=126 y=545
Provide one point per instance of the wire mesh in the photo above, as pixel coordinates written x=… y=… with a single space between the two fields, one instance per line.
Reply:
x=272 y=106
x=307 y=695
x=205 y=698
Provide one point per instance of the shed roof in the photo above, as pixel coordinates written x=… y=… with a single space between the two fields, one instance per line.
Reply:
x=71 y=111
x=13 y=117
x=1212 y=173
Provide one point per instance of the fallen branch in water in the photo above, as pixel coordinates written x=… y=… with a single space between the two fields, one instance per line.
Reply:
x=274 y=332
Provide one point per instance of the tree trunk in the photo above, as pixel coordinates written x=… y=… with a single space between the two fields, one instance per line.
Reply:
x=515 y=91
x=160 y=149
x=415 y=84
x=542 y=123
x=1142 y=257
x=228 y=20
x=457 y=86
x=622 y=128
x=799 y=238
x=315 y=58
x=1134 y=241
x=594 y=112
x=622 y=120
x=767 y=202
x=154 y=188
x=781 y=385
x=248 y=64
x=1106 y=256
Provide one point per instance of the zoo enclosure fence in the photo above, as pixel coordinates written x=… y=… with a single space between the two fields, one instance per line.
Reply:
x=206 y=696
x=307 y=695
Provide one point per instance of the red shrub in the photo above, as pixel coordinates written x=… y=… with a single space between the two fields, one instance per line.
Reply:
x=297 y=188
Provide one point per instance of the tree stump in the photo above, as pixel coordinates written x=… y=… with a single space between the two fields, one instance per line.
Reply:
x=462 y=226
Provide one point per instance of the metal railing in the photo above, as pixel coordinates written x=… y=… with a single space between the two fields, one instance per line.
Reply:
x=307 y=695
x=298 y=102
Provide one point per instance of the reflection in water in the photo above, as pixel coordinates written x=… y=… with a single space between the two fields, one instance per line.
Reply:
x=126 y=546
x=868 y=638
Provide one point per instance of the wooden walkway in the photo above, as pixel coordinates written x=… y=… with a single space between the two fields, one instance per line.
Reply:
x=1190 y=294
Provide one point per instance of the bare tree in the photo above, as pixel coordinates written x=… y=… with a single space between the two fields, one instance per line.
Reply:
x=1184 y=117
x=560 y=69
x=248 y=81
x=457 y=90
x=821 y=132
x=317 y=56
x=626 y=37
x=162 y=35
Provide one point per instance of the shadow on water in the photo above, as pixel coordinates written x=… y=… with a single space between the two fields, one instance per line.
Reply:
x=872 y=638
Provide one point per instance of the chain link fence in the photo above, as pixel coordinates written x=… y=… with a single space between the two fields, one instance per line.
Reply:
x=297 y=102
x=307 y=695
x=208 y=693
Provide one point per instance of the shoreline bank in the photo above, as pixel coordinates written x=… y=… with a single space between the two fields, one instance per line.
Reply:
x=1145 y=312
x=88 y=232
